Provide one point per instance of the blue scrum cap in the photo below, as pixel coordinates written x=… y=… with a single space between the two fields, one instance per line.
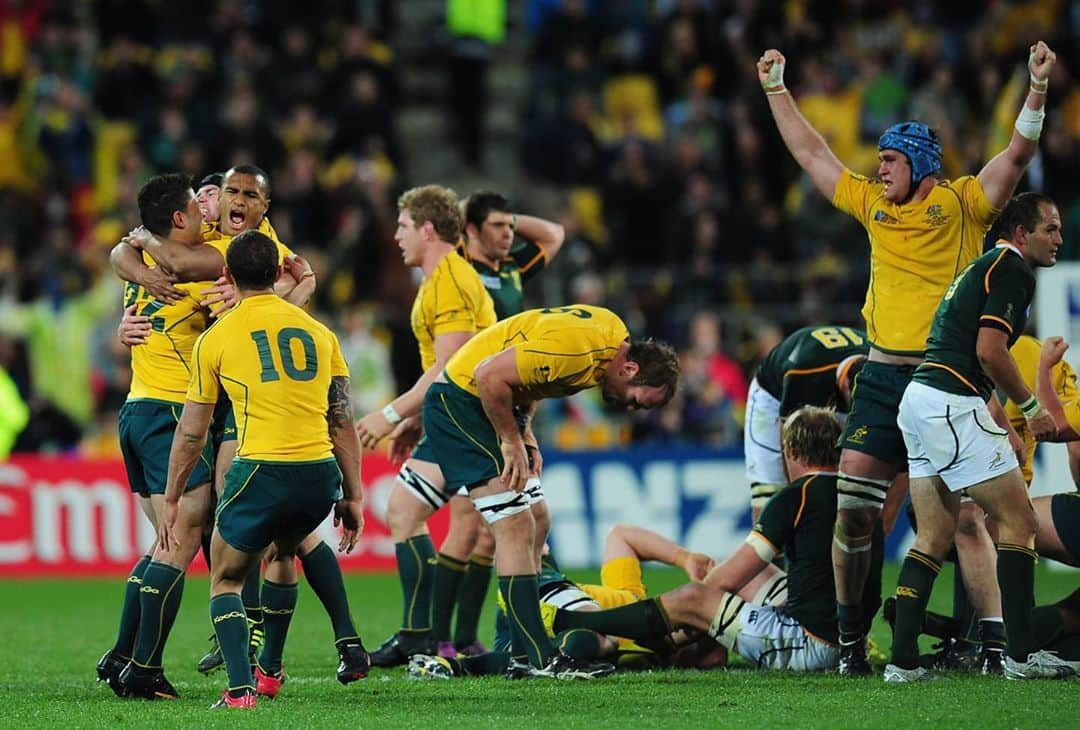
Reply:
x=918 y=143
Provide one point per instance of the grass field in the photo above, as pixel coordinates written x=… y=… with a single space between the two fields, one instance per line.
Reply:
x=53 y=632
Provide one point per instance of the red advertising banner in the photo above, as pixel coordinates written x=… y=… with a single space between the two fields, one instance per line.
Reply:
x=64 y=516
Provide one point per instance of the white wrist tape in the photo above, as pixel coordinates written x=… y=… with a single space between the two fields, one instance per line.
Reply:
x=391 y=415
x=774 y=79
x=1029 y=123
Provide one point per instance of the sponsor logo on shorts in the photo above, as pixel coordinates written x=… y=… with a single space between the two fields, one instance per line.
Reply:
x=997 y=460
x=906 y=592
x=858 y=436
x=149 y=589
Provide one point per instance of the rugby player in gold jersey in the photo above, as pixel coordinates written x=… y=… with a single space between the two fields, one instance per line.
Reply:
x=923 y=230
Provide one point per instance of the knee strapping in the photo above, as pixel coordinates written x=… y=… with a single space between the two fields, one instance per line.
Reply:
x=423 y=488
x=860 y=492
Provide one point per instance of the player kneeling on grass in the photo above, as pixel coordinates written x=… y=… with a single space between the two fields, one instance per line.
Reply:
x=289 y=386
x=733 y=603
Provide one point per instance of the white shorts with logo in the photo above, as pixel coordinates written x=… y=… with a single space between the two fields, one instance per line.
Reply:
x=761 y=439
x=774 y=640
x=952 y=436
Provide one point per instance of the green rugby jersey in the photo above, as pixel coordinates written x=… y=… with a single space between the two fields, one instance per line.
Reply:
x=798 y=521
x=995 y=290
x=504 y=284
x=802 y=370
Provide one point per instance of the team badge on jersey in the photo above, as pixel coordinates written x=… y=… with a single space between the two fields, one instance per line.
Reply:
x=936 y=216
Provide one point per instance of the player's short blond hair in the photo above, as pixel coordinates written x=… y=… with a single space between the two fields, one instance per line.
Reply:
x=436 y=204
x=812 y=435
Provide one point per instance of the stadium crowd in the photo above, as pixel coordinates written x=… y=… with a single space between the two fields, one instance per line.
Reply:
x=644 y=119
x=669 y=146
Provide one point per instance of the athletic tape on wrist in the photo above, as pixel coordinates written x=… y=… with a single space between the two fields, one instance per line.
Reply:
x=391 y=415
x=1030 y=406
x=774 y=79
x=1029 y=123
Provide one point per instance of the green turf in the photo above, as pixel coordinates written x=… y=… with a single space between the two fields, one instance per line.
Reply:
x=52 y=633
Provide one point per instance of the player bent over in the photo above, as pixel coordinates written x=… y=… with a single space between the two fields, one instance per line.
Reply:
x=471 y=416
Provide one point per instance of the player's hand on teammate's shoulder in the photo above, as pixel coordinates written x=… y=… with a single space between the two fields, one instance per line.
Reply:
x=138 y=237
x=1040 y=61
x=1053 y=349
x=159 y=284
x=134 y=329
x=219 y=298
x=349 y=515
x=296 y=266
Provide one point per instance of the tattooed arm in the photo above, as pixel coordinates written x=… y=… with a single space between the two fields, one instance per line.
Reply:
x=349 y=511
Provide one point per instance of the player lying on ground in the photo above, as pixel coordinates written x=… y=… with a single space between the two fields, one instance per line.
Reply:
x=621 y=583
x=729 y=605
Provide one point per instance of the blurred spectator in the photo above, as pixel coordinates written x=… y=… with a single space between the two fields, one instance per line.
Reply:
x=643 y=130
x=476 y=27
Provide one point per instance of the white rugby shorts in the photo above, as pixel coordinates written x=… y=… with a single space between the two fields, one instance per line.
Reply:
x=761 y=438
x=952 y=436
x=772 y=639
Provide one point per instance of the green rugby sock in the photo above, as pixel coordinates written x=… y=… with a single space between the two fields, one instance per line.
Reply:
x=231 y=627
x=913 y=588
x=579 y=643
x=1016 y=576
x=1067 y=648
x=942 y=627
x=640 y=620
x=249 y=594
x=129 y=613
x=279 y=603
x=159 y=600
x=547 y=560
x=484 y=665
x=471 y=597
x=1047 y=626
x=448 y=578
x=522 y=600
x=323 y=573
x=416 y=569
